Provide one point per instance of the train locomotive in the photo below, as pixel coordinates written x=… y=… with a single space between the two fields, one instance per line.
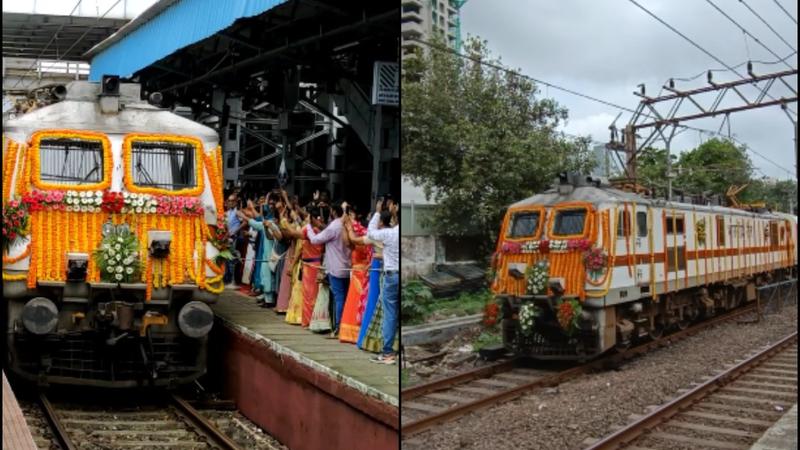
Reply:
x=111 y=210
x=584 y=268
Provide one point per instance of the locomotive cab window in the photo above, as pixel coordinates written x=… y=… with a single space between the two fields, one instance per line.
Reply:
x=569 y=222
x=524 y=224
x=73 y=162
x=163 y=164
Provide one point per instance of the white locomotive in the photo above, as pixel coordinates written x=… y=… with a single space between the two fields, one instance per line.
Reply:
x=109 y=263
x=584 y=267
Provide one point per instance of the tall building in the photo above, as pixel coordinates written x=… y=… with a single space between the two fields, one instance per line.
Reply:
x=423 y=19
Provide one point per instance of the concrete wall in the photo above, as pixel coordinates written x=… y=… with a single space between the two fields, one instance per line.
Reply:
x=418 y=255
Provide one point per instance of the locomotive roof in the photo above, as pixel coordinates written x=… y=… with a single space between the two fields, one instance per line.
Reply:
x=607 y=194
x=80 y=110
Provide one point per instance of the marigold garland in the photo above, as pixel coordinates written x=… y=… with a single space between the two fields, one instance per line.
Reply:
x=21 y=184
x=215 y=180
x=9 y=164
x=127 y=155
x=215 y=268
x=36 y=140
x=18 y=258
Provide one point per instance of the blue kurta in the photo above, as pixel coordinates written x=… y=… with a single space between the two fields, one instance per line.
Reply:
x=263 y=277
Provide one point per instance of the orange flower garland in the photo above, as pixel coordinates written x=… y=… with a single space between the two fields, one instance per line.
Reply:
x=127 y=155
x=23 y=173
x=71 y=134
x=215 y=179
x=9 y=164
x=18 y=258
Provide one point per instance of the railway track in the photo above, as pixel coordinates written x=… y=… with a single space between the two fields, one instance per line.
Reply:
x=731 y=410
x=428 y=405
x=170 y=424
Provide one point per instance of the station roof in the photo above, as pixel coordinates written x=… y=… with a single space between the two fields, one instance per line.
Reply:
x=164 y=28
x=42 y=36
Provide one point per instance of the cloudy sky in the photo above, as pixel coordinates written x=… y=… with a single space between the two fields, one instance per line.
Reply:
x=606 y=48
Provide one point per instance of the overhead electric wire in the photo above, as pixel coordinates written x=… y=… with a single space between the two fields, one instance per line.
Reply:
x=744 y=30
x=696 y=45
x=766 y=63
x=582 y=95
x=785 y=11
x=767 y=24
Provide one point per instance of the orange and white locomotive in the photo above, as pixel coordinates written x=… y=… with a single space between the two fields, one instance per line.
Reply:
x=110 y=209
x=584 y=267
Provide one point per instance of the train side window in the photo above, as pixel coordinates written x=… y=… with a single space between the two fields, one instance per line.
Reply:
x=783 y=233
x=675 y=225
x=720 y=231
x=773 y=233
x=641 y=223
x=624 y=224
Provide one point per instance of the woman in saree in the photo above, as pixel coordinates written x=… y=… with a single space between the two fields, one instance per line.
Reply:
x=373 y=299
x=356 y=299
x=304 y=287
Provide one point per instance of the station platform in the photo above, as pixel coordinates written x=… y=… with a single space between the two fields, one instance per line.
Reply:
x=782 y=435
x=16 y=434
x=303 y=388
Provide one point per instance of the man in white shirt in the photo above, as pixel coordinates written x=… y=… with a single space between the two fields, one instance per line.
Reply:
x=380 y=230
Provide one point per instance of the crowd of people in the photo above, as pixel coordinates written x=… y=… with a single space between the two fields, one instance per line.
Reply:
x=325 y=265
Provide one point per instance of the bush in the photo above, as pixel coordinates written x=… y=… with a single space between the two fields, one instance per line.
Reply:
x=413 y=301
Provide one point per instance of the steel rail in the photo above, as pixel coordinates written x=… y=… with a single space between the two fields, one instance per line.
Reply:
x=463 y=377
x=636 y=429
x=204 y=424
x=551 y=380
x=55 y=424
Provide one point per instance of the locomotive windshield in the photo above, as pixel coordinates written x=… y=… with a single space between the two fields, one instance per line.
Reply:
x=164 y=165
x=524 y=224
x=569 y=222
x=71 y=161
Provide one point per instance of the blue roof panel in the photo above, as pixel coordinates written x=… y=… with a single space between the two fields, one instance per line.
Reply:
x=178 y=26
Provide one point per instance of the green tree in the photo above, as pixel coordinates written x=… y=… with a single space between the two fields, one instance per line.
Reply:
x=479 y=138
x=651 y=169
x=713 y=167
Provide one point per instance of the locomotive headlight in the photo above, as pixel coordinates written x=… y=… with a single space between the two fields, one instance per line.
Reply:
x=195 y=319
x=77 y=263
x=158 y=243
x=40 y=315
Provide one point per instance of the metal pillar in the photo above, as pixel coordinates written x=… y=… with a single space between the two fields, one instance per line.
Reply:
x=230 y=134
x=376 y=152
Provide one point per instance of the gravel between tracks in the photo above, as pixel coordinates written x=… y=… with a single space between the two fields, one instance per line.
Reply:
x=594 y=405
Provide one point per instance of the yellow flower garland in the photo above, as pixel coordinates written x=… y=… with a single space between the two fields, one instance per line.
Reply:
x=35 y=141
x=9 y=163
x=127 y=155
